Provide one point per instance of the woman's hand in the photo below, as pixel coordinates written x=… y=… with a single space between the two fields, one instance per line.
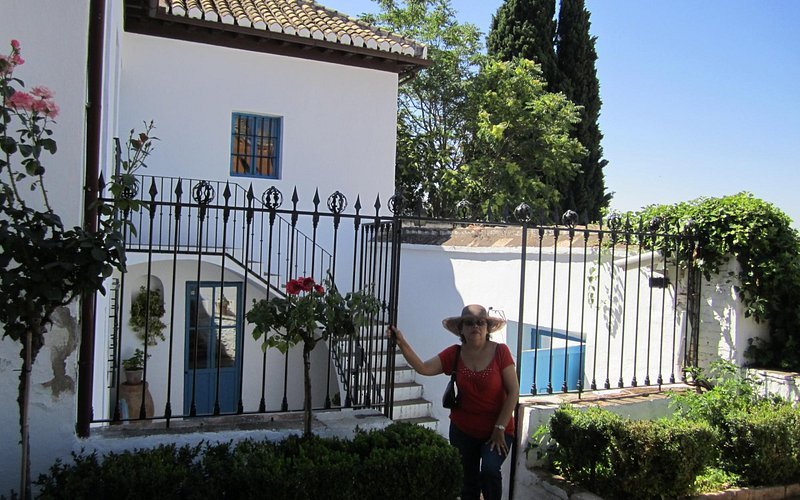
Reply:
x=396 y=334
x=498 y=442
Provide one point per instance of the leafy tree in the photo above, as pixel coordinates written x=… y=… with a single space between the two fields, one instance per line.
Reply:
x=526 y=29
x=431 y=119
x=577 y=79
x=469 y=128
x=521 y=149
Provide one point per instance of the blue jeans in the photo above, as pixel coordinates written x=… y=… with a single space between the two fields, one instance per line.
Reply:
x=481 y=466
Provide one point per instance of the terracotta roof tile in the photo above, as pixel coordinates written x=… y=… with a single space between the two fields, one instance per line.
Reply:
x=302 y=18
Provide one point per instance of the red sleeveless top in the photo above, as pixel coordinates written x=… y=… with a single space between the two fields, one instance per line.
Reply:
x=481 y=393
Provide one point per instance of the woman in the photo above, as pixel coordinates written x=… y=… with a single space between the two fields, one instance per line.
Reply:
x=482 y=426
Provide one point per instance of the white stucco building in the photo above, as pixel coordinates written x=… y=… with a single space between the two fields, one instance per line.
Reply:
x=299 y=96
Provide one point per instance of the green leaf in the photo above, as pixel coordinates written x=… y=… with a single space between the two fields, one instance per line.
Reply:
x=8 y=145
x=49 y=145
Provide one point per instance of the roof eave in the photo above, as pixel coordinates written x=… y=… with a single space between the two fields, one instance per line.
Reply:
x=158 y=23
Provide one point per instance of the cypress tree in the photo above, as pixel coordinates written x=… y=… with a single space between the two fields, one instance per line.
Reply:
x=577 y=79
x=527 y=29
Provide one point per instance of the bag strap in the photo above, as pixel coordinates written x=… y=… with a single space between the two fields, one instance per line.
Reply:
x=455 y=364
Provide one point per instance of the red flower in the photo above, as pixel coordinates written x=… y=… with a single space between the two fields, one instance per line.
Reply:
x=294 y=287
x=15 y=45
x=308 y=284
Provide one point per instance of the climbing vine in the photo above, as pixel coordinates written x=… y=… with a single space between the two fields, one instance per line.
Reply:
x=761 y=238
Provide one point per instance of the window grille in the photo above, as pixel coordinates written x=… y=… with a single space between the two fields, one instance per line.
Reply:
x=255 y=145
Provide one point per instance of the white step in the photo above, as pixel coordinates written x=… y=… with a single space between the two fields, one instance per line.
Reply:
x=411 y=408
x=409 y=403
x=427 y=422
x=404 y=374
x=402 y=391
x=407 y=390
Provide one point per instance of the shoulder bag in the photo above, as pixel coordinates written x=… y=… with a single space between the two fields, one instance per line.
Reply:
x=451 y=395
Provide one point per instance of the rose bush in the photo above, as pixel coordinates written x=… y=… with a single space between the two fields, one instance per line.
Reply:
x=43 y=264
x=309 y=313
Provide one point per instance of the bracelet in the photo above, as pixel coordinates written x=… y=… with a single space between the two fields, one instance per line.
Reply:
x=501 y=427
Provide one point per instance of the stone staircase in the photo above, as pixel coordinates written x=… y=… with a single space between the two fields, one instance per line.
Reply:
x=409 y=403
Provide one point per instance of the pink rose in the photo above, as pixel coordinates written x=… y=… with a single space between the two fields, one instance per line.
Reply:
x=15 y=45
x=42 y=92
x=53 y=109
x=21 y=100
x=45 y=107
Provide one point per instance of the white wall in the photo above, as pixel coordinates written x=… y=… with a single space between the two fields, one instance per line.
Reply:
x=54 y=45
x=339 y=122
x=725 y=329
x=638 y=329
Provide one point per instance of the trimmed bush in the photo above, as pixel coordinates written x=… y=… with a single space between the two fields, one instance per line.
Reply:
x=584 y=439
x=659 y=458
x=163 y=472
x=414 y=462
x=759 y=437
x=763 y=445
x=618 y=458
x=401 y=461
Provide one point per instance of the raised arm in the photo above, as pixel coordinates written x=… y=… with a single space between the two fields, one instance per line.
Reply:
x=431 y=367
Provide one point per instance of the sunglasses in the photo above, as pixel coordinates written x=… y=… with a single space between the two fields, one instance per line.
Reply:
x=469 y=323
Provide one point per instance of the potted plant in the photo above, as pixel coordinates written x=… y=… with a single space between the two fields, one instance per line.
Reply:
x=133 y=367
x=147 y=309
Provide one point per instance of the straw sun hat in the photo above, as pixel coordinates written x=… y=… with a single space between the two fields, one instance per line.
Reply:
x=453 y=323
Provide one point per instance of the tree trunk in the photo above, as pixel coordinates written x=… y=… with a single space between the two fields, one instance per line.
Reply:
x=24 y=404
x=307 y=389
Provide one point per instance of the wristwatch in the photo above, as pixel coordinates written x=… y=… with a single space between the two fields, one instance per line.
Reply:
x=501 y=427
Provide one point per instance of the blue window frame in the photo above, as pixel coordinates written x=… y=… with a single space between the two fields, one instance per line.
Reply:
x=256 y=145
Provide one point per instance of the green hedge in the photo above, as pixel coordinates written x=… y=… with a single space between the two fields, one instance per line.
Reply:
x=759 y=436
x=757 y=445
x=618 y=458
x=401 y=461
x=762 y=445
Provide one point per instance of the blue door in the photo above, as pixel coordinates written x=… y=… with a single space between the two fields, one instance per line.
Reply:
x=213 y=347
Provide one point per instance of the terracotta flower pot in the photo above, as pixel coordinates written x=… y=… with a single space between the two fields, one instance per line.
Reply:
x=133 y=377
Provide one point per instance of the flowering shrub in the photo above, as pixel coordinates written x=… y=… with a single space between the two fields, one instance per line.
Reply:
x=309 y=313
x=43 y=265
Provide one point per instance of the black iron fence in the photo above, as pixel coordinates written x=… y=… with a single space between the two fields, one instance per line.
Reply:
x=601 y=306
x=608 y=305
x=206 y=250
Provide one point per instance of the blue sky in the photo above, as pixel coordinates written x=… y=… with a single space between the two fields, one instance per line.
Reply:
x=700 y=98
